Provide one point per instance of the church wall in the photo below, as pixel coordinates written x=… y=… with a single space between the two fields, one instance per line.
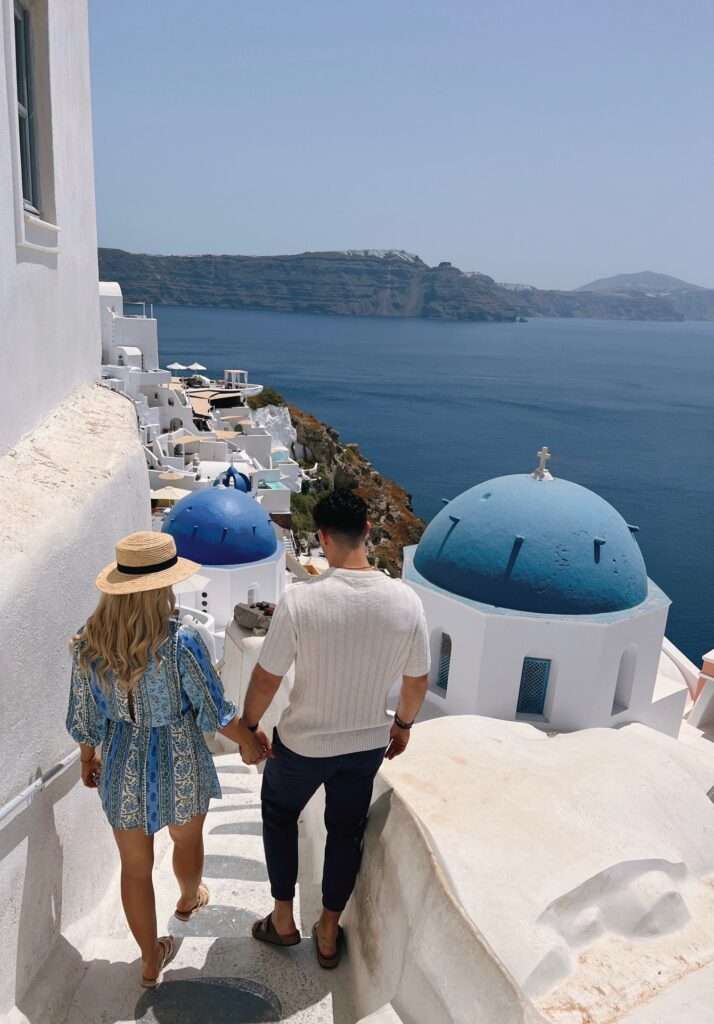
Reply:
x=488 y=650
x=574 y=649
x=645 y=631
x=230 y=585
x=48 y=279
x=443 y=614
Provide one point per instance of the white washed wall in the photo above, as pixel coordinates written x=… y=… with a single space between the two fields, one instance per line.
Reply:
x=73 y=479
x=70 y=490
x=49 y=316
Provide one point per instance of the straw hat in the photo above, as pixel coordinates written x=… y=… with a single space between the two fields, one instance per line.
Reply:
x=145 y=561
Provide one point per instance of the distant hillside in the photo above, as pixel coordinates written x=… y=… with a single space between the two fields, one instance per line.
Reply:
x=358 y=282
x=689 y=301
x=646 y=281
x=596 y=305
x=368 y=282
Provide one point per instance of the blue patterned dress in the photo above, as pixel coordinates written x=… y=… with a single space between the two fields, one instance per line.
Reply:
x=156 y=768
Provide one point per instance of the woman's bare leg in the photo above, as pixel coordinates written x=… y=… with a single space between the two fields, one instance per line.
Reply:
x=188 y=860
x=136 y=850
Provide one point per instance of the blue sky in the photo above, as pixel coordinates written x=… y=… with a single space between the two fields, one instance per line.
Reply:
x=537 y=141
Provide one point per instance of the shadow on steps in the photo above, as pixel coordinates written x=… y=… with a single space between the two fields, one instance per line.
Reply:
x=237 y=828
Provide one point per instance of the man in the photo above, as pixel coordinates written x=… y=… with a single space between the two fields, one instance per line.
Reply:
x=351 y=633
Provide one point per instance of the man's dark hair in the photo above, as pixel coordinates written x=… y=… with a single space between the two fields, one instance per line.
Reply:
x=342 y=512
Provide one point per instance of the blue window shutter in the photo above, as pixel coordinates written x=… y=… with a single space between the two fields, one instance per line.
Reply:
x=442 y=678
x=534 y=683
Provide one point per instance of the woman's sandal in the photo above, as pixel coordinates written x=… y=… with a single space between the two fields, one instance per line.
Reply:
x=203 y=898
x=264 y=931
x=328 y=962
x=169 y=947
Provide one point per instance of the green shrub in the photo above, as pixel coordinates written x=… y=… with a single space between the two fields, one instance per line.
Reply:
x=301 y=506
x=268 y=396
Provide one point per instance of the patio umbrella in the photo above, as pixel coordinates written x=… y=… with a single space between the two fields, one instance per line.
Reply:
x=194 y=366
x=170 y=475
x=169 y=494
x=192 y=584
x=176 y=366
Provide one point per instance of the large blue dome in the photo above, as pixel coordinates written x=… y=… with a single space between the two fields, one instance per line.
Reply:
x=221 y=526
x=532 y=545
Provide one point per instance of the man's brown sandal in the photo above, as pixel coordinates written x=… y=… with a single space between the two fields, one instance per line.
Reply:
x=328 y=962
x=264 y=931
x=203 y=898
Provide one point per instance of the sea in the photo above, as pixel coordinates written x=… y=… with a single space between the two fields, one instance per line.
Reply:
x=627 y=409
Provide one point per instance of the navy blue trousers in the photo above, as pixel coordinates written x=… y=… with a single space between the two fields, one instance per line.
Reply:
x=289 y=781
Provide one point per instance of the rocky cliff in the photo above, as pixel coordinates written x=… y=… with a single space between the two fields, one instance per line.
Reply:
x=594 y=305
x=363 y=283
x=394 y=524
x=358 y=283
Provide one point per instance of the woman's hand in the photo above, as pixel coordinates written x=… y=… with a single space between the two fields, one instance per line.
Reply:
x=90 y=771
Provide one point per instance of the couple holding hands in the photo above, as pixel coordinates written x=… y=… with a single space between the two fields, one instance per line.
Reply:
x=143 y=688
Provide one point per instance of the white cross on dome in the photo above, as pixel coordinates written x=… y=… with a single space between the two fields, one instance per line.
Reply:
x=541 y=472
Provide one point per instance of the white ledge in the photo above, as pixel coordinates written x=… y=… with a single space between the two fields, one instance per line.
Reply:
x=35 y=231
x=38 y=222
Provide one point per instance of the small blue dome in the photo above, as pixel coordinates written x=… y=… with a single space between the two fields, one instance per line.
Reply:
x=221 y=526
x=548 y=546
x=239 y=480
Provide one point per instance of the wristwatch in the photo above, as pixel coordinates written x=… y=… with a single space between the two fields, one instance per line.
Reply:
x=401 y=724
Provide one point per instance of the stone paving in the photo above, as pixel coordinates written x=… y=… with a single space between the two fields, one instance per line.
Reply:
x=220 y=973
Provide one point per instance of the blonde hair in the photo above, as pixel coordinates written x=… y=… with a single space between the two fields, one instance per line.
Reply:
x=121 y=632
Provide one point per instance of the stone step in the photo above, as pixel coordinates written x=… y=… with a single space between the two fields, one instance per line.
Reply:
x=220 y=973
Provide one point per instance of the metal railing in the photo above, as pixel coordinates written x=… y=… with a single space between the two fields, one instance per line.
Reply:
x=143 y=304
x=39 y=784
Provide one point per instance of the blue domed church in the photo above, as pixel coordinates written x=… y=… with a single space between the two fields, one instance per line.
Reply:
x=233 y=538
x=539 y=608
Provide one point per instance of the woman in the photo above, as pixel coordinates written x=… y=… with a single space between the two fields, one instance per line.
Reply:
x=144 y=688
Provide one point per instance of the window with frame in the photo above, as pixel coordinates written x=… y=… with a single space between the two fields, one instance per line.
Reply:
x=625 y=680
x=442 y=672
x=26 y=110
x=534 y=685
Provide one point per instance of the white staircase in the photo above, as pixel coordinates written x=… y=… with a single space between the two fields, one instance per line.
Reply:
x=290 y=543
x=220 y=974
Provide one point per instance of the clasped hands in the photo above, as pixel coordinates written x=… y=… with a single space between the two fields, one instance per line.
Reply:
x=255 y=747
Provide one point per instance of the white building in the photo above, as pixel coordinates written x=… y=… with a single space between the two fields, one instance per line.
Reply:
x=72 y=477
x=130 y=364
x=126 y=337
x=540 y=609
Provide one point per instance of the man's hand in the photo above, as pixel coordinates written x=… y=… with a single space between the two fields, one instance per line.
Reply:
x=90 y=772
x=255 y=747
x=398 y=739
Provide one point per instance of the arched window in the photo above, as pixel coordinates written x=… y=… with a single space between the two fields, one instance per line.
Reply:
x=534 y=685
x=625 y=679
x=442 y=671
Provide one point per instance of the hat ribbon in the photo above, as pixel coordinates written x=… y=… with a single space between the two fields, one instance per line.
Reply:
x=145 y=570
